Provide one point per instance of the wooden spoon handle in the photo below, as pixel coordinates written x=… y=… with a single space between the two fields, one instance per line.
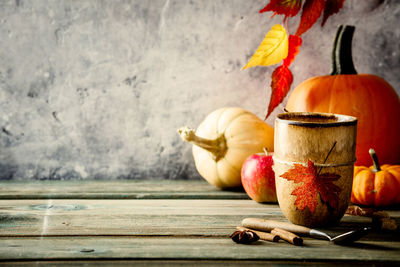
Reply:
x=268 y=225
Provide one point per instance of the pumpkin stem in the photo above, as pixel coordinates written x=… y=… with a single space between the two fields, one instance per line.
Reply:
x=377 y=166
x=342 y=60
x=217 y=147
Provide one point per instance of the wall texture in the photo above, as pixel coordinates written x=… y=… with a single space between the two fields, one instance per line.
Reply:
x=96 y=89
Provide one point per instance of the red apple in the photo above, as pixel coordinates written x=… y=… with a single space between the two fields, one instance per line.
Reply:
x=258 y=178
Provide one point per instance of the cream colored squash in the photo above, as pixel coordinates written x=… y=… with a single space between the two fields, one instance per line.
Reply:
x=223 y=141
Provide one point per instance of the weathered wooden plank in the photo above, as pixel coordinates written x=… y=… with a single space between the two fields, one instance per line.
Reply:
x=127 y=217
x=177 y=263
x=53 y=248
x=90 y=189
x=140 y=217
x=194 y=263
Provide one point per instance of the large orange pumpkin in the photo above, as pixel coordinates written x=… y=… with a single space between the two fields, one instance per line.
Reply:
x=376 y=185
x=368 y=97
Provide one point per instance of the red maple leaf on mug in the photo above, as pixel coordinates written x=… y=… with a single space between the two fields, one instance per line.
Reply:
x=313 y=184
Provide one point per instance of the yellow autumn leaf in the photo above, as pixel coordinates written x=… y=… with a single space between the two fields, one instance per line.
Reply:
x=272 y=49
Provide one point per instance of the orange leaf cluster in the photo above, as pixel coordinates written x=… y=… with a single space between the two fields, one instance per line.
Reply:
x=311 y=10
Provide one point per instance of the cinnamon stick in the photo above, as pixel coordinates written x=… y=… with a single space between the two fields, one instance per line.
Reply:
x=263 y=235
x=268 y=225
x=380 y=219
x=288 y=236
x=385 y=223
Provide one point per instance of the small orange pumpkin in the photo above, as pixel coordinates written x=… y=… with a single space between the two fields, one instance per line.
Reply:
x=376 y=185
x=368 y=97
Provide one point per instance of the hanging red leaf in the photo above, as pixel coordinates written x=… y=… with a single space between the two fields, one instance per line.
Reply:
x=312 y=185
x=331 y=7
x=312 y=10
x=289 y=8
x=282 y=78
x=294 y=45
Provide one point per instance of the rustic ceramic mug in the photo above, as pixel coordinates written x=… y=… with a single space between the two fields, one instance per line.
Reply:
x=314 y=155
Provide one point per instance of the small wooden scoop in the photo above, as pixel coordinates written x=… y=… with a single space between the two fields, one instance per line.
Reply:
x=268 y=225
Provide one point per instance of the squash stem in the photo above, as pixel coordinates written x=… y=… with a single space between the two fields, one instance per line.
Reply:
x=217 y=147
x=342 y=60
x=377 y=166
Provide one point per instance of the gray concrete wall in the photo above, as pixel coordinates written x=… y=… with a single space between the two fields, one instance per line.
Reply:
x=97 y=89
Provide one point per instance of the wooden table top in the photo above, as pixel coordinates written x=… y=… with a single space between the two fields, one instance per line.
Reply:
x=152 y=223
